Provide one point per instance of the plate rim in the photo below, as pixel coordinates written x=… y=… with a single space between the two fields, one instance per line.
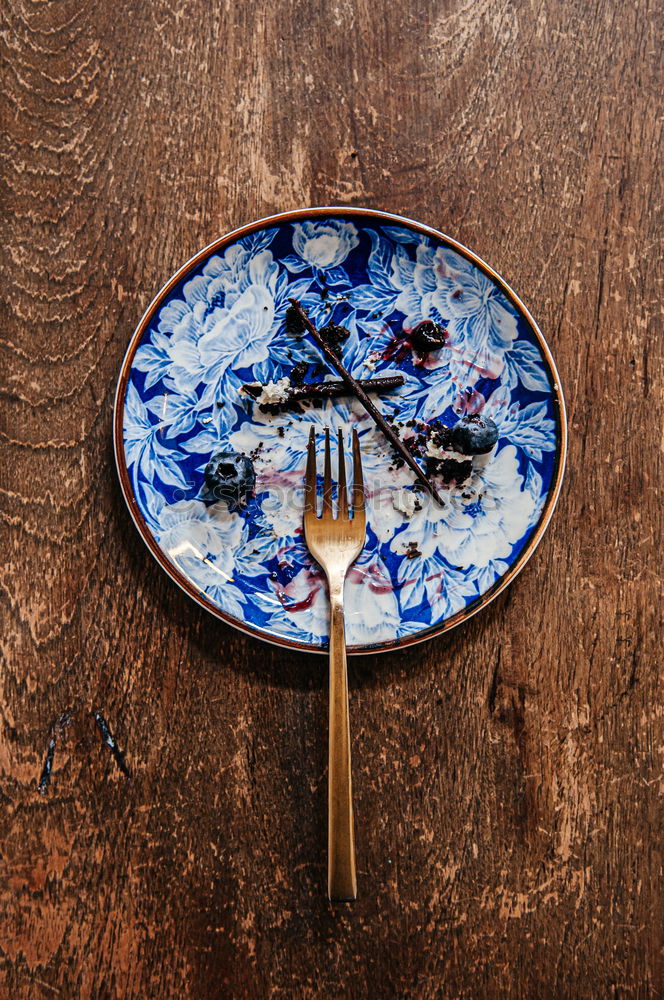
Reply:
x=186 y=585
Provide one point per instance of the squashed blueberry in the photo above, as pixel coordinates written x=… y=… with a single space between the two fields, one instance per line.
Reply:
x=230 y=477
x=428 y=336
x=474 y=435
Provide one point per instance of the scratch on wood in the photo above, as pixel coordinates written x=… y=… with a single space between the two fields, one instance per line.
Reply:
x=61 y=723
x=109 y=741
x=47 y=986
x=45 y=778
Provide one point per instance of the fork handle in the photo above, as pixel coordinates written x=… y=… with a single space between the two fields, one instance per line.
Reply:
x=341 y=878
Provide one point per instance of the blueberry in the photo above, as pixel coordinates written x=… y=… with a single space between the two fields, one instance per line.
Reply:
x=230 y=477
x=474 y=435
x=428 y=336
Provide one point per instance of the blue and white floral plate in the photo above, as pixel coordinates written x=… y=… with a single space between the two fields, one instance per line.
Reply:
x=219 y=322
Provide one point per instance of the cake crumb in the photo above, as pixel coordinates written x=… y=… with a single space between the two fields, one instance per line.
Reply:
x=405 y=501
x=274 y=392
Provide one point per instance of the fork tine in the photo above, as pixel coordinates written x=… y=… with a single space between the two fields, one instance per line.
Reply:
x=310 y=479
x=327 y=478
x=358 y=481
x=342 y=495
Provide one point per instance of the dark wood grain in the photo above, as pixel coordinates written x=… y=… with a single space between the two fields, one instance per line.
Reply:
x=508 y=778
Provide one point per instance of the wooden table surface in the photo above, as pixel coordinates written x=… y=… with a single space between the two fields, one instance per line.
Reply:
x=508 y=778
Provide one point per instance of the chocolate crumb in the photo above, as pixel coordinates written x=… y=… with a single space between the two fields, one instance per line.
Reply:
x=294 y=323
x=334 y=336
x=299 y=372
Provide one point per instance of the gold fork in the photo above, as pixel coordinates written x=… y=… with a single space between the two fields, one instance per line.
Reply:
x=336 y=543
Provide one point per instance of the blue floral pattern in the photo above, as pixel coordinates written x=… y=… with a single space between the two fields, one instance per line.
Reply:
x=223 y=325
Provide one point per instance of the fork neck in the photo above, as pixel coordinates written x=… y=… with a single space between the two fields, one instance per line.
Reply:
x=335 y=583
